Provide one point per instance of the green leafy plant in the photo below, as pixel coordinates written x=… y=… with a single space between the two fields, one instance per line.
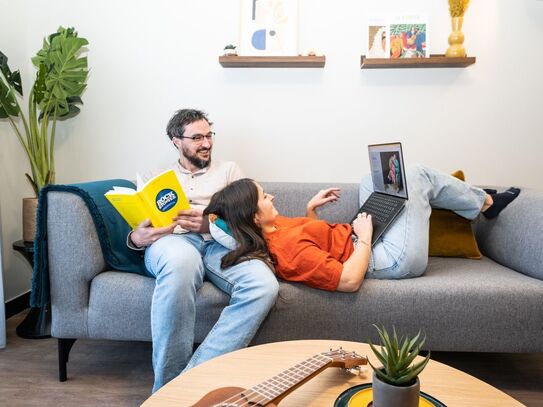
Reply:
x=230 y=46
x=60 y=81
x=396 y=356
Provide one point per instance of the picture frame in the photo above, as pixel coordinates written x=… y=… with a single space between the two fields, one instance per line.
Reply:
x=408 y=37
x=269 y=28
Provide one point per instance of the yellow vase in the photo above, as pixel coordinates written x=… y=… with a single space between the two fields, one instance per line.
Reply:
x=456 y=39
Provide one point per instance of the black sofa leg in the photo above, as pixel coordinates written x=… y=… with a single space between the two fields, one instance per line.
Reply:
x=64 y=347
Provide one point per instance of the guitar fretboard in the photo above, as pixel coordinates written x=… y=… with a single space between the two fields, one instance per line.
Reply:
x=268 y=390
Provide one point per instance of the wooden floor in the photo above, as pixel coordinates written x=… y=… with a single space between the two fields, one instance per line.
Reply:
x=108 y=373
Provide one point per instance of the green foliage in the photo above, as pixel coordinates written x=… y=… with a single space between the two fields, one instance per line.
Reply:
x=396 y=356
x=60 y=81
x=397 y=29
x=12 y=84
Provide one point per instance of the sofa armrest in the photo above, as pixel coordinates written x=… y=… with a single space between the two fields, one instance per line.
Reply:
x=514 y=237
x=75 y=258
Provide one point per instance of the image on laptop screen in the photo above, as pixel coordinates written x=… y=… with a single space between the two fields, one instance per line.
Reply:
x=387 y=169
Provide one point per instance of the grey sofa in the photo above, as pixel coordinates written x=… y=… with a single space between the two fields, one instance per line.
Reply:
x=490 y=305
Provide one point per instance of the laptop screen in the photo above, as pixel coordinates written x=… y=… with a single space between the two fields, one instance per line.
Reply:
x=387 y=169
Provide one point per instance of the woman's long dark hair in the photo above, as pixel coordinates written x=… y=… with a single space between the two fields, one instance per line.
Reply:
x=237 y=205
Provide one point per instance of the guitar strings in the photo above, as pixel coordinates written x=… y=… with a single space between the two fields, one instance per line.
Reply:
x=246 y=396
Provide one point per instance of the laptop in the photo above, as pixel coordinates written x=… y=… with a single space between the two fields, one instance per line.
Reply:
x=389 y=186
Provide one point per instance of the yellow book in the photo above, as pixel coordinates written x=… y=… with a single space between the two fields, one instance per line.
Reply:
x=159 y=199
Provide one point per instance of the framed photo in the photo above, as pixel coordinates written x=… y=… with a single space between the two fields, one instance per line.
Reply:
x=269 y=27
x=409 y=37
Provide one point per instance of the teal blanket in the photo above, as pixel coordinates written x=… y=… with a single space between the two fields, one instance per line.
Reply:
x=110 y=227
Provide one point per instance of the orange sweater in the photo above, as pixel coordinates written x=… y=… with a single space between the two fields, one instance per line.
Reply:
x=310 y=251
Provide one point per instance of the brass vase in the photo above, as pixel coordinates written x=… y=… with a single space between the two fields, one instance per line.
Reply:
x=30 y=208
x=456 y=39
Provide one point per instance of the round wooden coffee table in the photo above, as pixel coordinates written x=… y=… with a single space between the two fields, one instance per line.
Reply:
x=249 y=367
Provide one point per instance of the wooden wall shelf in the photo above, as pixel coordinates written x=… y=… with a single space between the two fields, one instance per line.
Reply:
x=435 y=61
x=272 y=62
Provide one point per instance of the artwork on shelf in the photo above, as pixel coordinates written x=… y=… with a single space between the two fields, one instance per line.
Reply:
x=408 y=41
x=403 y=36
x=409 y=36
x=378 y=39
x=269 y=27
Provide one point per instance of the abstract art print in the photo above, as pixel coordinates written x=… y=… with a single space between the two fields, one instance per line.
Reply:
x=269 y=27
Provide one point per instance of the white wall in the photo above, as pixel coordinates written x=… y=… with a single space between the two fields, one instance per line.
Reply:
x=13 y=185
x=150 y=58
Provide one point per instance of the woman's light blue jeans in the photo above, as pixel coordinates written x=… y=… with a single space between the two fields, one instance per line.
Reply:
x=402 y=251
x=180 y=263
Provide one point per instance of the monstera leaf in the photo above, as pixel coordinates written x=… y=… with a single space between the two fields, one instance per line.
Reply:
x=8 y=103
x=13 y=78
x=64 y=76
x=9 y=82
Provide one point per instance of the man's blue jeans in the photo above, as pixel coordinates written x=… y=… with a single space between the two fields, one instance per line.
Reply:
x=180 y=263
x=402 y=251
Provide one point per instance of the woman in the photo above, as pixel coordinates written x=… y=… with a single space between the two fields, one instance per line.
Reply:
x=326 y=256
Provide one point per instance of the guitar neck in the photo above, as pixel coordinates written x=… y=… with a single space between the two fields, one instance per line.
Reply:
x=278 y=387
x=272 y=391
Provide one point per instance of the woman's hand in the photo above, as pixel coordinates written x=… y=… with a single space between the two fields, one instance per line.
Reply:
x=354 y=269
x=363 y=228
x=321 y=198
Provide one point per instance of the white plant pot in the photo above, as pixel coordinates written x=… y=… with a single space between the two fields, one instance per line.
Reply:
x=386 y=395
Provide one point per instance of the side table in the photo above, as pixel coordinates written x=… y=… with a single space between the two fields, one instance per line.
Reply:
x=37 y=323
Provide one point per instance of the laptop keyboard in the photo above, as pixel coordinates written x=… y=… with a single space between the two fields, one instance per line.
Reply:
x=381 y=207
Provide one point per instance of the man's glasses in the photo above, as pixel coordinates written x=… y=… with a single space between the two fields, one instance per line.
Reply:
x=199 y=138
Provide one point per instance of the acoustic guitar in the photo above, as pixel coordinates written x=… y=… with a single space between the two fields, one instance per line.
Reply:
x=270 y=392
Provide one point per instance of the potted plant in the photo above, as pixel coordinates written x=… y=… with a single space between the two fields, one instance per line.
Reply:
x=60 y=80
x=230 y=50
x=396 y=383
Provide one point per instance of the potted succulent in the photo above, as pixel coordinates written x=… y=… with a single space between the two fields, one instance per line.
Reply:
x=396 y=383
x=230 y=50
x=60 y=80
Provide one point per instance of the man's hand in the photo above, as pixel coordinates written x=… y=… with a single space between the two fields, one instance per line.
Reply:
x=363 y=228
x=145 y=235
x=193 y=220
x=321 y=198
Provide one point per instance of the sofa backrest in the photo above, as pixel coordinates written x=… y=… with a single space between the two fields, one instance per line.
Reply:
x=291 y=199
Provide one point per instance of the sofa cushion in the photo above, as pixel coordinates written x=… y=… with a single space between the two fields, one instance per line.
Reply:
x=450 y=234
x=460 y=304
x=120 y=307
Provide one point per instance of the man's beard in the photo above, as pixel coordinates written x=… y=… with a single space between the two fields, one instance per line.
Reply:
x=194 y=160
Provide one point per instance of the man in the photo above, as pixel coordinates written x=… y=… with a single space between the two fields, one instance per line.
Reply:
x=179 y=262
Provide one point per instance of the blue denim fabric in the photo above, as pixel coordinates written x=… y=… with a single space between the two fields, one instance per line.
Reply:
x=180 y=263
x=402 y=251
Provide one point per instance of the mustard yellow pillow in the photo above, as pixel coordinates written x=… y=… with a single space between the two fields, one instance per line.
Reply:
x=451 y=234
